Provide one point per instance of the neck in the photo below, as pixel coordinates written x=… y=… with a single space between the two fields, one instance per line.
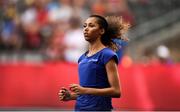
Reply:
x=95 y=47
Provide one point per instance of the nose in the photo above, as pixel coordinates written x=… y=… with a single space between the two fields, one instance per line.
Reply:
x=85 y=28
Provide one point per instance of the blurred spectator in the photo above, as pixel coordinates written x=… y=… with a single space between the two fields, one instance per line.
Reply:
x=62 y=13
x=55 y=45
x=120 y=8
x=30 y=27
x=126 y=61
x=74 y=41
x=80 y=9
x=9 y=38
x=99 y=7
x=34 y=20
x=163 y=54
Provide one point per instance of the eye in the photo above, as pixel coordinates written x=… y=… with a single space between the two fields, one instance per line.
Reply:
x=91 y=25
x=84 y=25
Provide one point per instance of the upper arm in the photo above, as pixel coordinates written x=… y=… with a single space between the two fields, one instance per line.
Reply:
x=112 y=74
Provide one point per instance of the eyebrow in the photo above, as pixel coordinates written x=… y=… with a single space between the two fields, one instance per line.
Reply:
x=89 y=23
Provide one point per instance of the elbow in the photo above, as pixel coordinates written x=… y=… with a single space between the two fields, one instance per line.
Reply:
x=117 y=94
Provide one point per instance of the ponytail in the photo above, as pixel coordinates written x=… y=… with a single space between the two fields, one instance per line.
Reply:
x=117 y=29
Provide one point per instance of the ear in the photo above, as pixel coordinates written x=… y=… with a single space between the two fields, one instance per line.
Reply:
x=102 y=31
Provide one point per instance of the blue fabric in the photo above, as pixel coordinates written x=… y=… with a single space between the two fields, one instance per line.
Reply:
x=121 y=46
x=92 y=73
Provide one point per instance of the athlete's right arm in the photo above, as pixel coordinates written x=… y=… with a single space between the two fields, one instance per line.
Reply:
x=65 y=95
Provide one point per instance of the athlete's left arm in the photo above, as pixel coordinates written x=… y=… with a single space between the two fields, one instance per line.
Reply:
x=113 y=78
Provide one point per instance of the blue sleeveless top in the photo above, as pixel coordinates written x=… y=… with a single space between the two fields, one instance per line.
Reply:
x=92 y=73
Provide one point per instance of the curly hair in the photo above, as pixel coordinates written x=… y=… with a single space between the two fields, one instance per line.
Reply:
x=115 y=27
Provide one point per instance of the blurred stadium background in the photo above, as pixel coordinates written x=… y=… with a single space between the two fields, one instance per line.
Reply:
x=41 y=40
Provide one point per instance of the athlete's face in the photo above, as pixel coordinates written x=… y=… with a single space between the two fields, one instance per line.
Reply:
x=92 y=30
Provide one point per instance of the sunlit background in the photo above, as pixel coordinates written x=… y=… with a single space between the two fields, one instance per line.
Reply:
x=41 y=41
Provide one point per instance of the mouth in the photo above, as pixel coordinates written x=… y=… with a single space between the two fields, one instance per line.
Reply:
x=85 y=34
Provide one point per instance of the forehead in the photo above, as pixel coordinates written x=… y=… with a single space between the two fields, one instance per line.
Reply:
x=91 y=20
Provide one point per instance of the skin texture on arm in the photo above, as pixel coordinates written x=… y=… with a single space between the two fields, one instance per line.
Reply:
x=113 y=78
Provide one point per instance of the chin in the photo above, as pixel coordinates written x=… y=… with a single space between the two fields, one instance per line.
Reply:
x=87 y=39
